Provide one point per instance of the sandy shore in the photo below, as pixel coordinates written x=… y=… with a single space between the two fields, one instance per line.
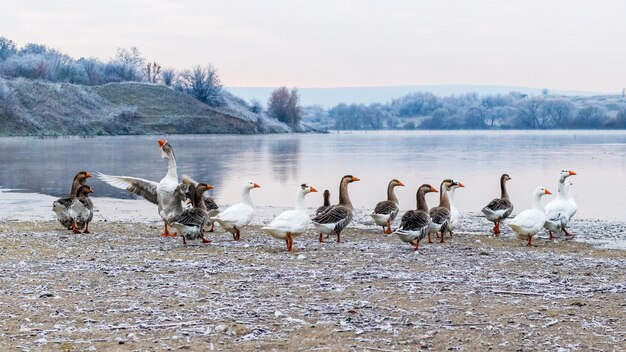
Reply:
x=125 y=288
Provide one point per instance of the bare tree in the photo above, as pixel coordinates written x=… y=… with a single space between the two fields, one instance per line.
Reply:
x=203 y=84
x=152 y=71
x=168 y=76
x=130 y=56
x=284 y=106
x=529 y=113
x=559 y=111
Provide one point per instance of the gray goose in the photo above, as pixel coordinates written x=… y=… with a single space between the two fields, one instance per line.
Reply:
x=440 y=215
x=190 y=223
x=499 y=208
x=386 y=211
x=81 y=210
x=166 y=194
x=322 y=209
x=337 y=217
x=62 y=205
x=415 y=224
x=326 y=204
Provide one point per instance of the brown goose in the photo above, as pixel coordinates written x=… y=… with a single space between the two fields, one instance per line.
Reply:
x=81 y=210
x=337 y=217
x=322 y=209
x=499 y=208
x=440 y=215
x=62 y=205
x=415 y=224
x=386 y=211
x=326 y=205
x=190 y=223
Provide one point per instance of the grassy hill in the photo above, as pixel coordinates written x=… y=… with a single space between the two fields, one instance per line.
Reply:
x=43 y=108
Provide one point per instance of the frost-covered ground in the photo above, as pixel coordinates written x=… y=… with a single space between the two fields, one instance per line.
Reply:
x=126 y=288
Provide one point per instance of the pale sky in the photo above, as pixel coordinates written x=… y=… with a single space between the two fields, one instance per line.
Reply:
x=568 y=44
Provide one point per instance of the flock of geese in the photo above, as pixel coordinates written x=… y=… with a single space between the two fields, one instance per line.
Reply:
x=184 y=206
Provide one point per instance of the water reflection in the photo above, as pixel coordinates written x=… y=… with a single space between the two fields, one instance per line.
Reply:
x=281 y=162
x=284 y=156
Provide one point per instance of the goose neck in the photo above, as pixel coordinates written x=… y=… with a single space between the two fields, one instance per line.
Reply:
x=503 y=193
x=245 y=197
x=391 y=195
x=344 y=197
x=300 y=201
x=421 y=201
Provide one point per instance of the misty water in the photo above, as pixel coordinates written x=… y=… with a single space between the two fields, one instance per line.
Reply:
x=281 y=162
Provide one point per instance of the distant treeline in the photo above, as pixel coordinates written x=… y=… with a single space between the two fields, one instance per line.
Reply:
x=515 y=110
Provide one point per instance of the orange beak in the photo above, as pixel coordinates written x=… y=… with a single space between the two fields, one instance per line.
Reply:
x=400 y=183
x=209 y=187
x=355 y=179
x=90 y=191
x=572 y=173
x=461 y=185
x=433 y=189
x=88 y=174
x=548 y=192
x=161 y=142
x=313 y=189
x=256 y=185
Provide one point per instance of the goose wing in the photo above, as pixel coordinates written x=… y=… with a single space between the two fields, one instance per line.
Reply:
x=338 y=215
x=414 y=220
x=500 y=204
x=192 y=217
x=210 y=203
x=439 y=215
x=386 y=207
x=139 y=186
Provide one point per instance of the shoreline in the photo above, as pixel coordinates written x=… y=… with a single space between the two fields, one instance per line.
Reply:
x=18 y=206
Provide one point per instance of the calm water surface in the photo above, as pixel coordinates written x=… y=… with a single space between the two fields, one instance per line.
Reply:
x=280 y=162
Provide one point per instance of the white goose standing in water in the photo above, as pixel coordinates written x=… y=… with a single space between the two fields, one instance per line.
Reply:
x=561 y=210
x=167 y=193
x=291 y=223
x=237 y=216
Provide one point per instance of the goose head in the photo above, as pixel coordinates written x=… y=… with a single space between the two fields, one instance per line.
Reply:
x=565 y=173
x=447 y=184
x=81 y=176
x=249 y=185
x=349 y=179
x=541 y=191
x=396 y=183
x=305 y=189
x=166 y=149
x=83 y=191
x=455 y=184
x=203 y=187
x=505 y=177
x=426 y=188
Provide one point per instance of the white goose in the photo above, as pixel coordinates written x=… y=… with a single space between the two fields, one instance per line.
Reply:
x=454 y=211
x=291 y=223
x=561 y=210
x=527 y=223
x=239 y=215
x=166 y=194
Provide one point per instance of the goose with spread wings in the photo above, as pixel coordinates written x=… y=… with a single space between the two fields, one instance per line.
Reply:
x=168 y=194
